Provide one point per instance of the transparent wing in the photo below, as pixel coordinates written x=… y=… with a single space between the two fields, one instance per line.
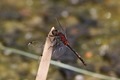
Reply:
x=36 y=47
x=58 y=50
x=61 y=29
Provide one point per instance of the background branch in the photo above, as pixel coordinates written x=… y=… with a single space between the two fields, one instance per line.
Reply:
x=62 y=65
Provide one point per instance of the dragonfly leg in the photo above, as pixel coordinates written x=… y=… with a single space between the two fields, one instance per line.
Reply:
x=49 y=37
x=41 y=55
x=54 y=43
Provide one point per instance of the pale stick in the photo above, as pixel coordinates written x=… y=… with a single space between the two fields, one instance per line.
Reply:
x=46 y=58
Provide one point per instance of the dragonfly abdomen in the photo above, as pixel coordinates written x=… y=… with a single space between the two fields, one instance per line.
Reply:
x=76 y=54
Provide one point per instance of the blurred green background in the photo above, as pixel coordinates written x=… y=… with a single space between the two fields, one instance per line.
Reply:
x=93 y=28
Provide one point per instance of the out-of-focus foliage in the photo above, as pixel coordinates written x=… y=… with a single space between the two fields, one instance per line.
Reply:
x=93 y=28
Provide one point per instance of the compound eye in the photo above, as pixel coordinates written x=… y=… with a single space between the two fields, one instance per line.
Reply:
x=54 y=32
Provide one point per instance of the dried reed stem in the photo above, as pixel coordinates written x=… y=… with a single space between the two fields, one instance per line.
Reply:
x=45 y=60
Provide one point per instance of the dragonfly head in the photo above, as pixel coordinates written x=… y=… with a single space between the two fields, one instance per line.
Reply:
x=55 y=32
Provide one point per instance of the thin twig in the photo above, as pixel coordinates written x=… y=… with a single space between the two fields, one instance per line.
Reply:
x=62 y=65
x=45 y=60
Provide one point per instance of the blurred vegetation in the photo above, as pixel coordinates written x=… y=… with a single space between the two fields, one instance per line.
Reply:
x=93 y=28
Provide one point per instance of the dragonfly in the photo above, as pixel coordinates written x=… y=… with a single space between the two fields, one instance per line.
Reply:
x=60 y=36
